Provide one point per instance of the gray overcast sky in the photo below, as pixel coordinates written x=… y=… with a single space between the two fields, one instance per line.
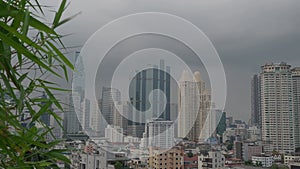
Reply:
x=246 y=33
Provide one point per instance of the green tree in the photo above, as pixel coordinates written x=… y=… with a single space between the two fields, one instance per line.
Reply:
x=118 y=165
x=249 y=162
x=276 y=166
x=29 y=54
x=190 y=154
x=229 y=146
x=258 y=164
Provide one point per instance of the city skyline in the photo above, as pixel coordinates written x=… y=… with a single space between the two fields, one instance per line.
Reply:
x=150 y=84
x=242 y=44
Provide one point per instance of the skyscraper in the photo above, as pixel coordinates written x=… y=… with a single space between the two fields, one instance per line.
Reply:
x=143 y=85
x=73 y=114
x=277 y=108
x=96 y=122
x=120 y=113
x=71 y=122
x=110 y=97
x=255 y=101
x=296 y=94
x=86 y=114
x=194 y=104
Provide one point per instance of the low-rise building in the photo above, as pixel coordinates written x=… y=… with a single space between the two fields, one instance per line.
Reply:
x=292 y=158
x=232 y=134
x=92 y=161
x=262 y=160
x=191 y=162
x=245 y=149
x=213 y=159
x=166 y=158
x=294 y=166
x=137 y=163
x=233 y=162
x=254 y=133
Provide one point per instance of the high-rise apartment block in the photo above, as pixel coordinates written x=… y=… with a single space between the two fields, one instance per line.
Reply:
x=110 y=97
x=296 y=98
x=193 y=106
x=278 y=110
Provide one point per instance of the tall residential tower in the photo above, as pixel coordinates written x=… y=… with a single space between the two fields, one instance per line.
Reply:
x=296 y=94
x=277 y=111
x=193 y=106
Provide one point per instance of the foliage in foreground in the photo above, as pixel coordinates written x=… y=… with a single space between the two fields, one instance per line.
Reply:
x=29 y=53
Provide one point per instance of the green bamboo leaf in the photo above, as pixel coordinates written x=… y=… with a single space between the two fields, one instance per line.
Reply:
x=57 y=155
x=22 y=37
x=22 y=77
x=43 y=110
x=59 y=89
x=61 y=55
x=59 y=14
x=67 y=19
x=26 y=23
x=25 y=51
x=41 y=26
x=5 y=13
x=51 y=96
x=8 y=86
x=65 y=72
x=57 y=119
x=38 y=5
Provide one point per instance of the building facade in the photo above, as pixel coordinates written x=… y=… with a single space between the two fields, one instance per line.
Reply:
x=146 y=83
x=244 y=150
x=114 y=134
x=193 y=106
x=214 y=160
x=277 y=109
x=262 y=160
x=255 y=101
x=296 y=99
x=71 y=122
x=110 y=97
x=164 y=158
x=159 y=133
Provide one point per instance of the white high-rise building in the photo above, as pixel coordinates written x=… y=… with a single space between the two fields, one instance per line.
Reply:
x=159 y=133
x=110 y=97
x=95 y=119
x=120 y=115
x=277 y=109
x=114 y=134
x=296 y=94
x=193 y=106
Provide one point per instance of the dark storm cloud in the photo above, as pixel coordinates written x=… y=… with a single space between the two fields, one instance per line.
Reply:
x=246 y=33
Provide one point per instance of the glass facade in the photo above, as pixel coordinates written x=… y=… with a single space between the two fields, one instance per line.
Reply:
x=145 y=93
